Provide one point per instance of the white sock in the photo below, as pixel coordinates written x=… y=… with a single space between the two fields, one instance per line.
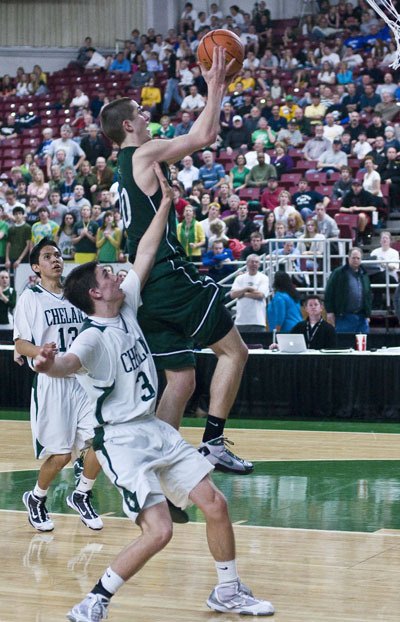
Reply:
x=39 y=492
x=85 y=484
x=111 y=581
x=226 y=571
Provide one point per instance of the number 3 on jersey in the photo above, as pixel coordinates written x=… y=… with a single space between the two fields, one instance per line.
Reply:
x=147 y=390
x=67 y=338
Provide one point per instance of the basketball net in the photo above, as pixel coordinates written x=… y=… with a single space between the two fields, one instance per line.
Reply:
x=388 y=13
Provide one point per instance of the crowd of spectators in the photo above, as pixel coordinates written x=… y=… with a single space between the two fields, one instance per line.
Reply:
x=309 y=138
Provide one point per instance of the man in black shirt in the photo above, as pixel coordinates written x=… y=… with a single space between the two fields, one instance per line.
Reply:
x=172 y=87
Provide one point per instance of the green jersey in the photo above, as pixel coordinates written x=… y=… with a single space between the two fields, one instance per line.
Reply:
x=138 y=209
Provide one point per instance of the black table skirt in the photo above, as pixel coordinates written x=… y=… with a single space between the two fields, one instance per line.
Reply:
x=276 y=386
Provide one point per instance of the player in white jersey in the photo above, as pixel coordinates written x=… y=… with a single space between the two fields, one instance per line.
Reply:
x=143 y=456
x=62 y=418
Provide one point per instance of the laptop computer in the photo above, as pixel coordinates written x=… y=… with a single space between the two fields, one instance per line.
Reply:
x=291 y=344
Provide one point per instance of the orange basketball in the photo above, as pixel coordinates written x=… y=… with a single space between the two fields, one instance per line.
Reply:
x=226 y=39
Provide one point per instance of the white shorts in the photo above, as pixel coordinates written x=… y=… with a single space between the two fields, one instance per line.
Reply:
x=62 y=419
x=148 y=460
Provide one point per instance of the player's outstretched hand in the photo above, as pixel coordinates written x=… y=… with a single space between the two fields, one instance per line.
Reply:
x=165 y=187
x=216 y=76
x=44 y=360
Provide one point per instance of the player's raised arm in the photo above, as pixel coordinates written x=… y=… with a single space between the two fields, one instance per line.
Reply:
x=150 y=241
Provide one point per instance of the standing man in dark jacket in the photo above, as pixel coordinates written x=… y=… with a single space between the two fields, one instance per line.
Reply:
x=348 y=296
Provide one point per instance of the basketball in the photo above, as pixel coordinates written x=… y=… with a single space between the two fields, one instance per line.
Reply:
x=226 y=39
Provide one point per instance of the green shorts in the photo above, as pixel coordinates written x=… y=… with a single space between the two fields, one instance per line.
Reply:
x=181 y=309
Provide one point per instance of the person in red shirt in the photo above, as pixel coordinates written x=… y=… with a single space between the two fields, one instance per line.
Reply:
x=270 y=196
x=177 y=200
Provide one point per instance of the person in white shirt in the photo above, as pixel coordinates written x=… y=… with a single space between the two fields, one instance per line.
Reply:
x=189 y=173
x=80 y=100
x=332 y=130
x=96 y=60
x=194 y=102
x=362 y=147
x=385 y=253
x=251 y=290
x=371 y=179
x=284 y=208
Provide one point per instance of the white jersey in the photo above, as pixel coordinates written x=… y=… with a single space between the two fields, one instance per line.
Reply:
x=118 y=373
x=42 y=317
x=250 y=310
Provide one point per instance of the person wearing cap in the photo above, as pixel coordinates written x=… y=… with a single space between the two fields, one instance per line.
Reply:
x=363 y=203
x=288 y=109
x=316 y=111
x=332 y=160
x=237 y=137
x=291 y=135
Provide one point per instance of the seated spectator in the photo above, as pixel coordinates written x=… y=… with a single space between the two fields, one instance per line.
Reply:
x=280 y=159
x=332 y=129
x=83 y=56
x=64 y=236
x=188 y=174
x=94 y=145
x=316 y=111
x=237 y=137
x=80 y=100
x=120 y=64
x=268 y=226
x=10 y=202
x=212 y=215
x=108 y=240
x=264 y=133
x=211 y=174
x=44 y=227
x=362 y=147
x=376 y=127
x=96 y=60
x=251 y=290
x=284 y=208
x=362 y=203
x=183 y=128
x=233 y=205
x=290 y=136
x=178 y=201
x=43 y=148
x=316 y=146
x=202 y=207
x=295 y=225
x=270 y=196
x=252 y=155
x=218 y=261
x=333 y=159
x=191 y=235
x=150 y=96
x=311 y=244
x=326 y=75
x=238 y=174
x=57 y=210
x=84 y=237
x=141 y=76
x=25 y=119
x=194 y=102
x=256 y=246
x=344 y=74
x=390 y=138
x=369 y=99
x=305 y=199
x=223 y=197
x=10 y=129
x=325 y=223
x=276 y=121
x=260 y=173
x=284 y=308
x=240 y=226
x=97 y=102
x=371 y=179
x=88 y=180
x=343 y=185
x=166 y=129
x=385 y=253
x=39 y=188
x=22 y=86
